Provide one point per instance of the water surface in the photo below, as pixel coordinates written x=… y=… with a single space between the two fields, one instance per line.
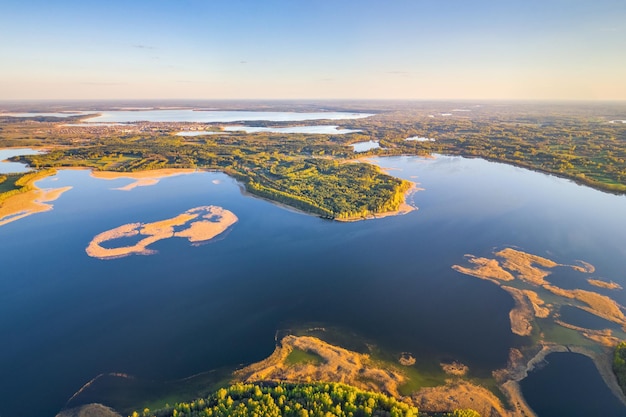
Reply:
x=67 y=317
x=7 y=167
x=569 y=385
x=311 y=130
x=214 y=116
x=365 y=146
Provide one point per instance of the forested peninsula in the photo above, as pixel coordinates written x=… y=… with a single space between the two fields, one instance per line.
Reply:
x=316 y=173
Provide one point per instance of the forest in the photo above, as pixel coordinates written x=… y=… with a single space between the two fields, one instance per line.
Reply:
x=619 y=364
x=583 y=142
x=297 y=400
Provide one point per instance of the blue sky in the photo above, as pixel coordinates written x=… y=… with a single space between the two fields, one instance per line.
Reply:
x=410 y=49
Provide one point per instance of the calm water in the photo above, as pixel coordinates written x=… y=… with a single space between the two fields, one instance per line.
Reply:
x=313 y=130
x=66 y=317
x=582 y=394
x=63 y=114
x=211 y=116
x=7 y=167
x=365 y=146
x=199 y=133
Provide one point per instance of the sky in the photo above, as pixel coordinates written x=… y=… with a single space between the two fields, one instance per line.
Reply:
x=313 y=49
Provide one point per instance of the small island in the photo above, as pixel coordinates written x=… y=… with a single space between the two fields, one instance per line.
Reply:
x=202 y=224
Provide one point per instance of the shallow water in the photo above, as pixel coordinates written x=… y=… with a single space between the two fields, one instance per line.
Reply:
x=191 y=308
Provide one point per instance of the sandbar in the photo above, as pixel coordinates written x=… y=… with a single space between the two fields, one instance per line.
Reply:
x=142 y=178
x=202 y=224
x=604 y=284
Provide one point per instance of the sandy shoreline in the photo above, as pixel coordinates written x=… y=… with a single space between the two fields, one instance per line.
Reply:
x=30 y=202
x=141 y=178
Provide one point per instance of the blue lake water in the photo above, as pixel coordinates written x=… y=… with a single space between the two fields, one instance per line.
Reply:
x=43 y=114
x=66 y=317
x=7 y=167
x=575 y=387
x=214 y=116
x=312 y=130
x=365 y=146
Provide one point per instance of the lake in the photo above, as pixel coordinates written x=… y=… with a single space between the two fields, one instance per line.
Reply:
x=66 y=317
x=365 y=146
x=583 y=394
x=215 y=116
x=310 y=130
x=7 y=167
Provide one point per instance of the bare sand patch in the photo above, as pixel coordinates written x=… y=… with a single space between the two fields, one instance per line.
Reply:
x=585 y=267
x=484 y=268
x=142 y=178
x=523 y=314
x=610 y=285
x=357 y=369
x=598 y=304
x=338 y=365
x=89 y=410
x=460 y=394
x=203 y=224
x=406 y=359
x=523 y=263
x=540 y=307
x=454 y=368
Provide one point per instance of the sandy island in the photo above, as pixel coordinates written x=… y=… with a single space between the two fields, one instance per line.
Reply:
x=141 y=178
x=202 y=224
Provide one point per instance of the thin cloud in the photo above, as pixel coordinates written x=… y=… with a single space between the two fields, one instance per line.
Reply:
x=399 y=73
x=140 y=46
x=100 y=83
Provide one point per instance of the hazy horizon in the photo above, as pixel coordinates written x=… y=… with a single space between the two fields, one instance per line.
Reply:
x=555 y=50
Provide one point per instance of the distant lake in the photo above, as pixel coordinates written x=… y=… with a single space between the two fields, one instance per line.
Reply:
x=365 y=146
x=199 y=133
x=66 y=317
x=211 y=116
x=312 y=130
x=57 y=114
x=14 y=167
